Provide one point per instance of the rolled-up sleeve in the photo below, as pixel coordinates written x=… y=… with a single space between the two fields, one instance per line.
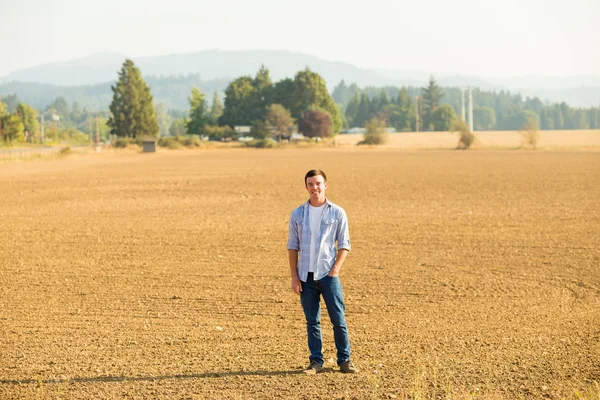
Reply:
x=293 y=239
x=343 y=234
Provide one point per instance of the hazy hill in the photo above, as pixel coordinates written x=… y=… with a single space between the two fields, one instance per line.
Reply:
x=173 y=91
x=222 y=66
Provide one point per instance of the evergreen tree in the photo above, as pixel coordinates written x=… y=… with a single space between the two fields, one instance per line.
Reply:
x=263 y=94
x=352 y=109
x=132 y=109
x=362 y=114
x=383 y=99
x=216 y=109
x=197 y=116
x=432 y=96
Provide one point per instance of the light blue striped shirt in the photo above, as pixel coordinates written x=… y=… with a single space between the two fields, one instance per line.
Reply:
x=333 y=236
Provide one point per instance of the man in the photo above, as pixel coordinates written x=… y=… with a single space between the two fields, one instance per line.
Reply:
x=315 y=228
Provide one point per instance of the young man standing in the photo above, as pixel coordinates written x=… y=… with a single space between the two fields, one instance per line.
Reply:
x=314 y=230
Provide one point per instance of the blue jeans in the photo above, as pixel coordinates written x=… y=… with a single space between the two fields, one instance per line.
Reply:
x=310 y=297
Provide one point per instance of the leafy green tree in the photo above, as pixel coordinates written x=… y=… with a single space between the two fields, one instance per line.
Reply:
x=432 y=96
x=28 y=116
x=164 y=119
x=216 y=109
x=12 y=129
x=132 y=109
x=215 y=132
x=279 y=120
x=3 y=114
x=442 y=118
x=177 y=127
x=484 y=118
x=310 y=90
x=259 y=130
x=283 y=93
x=12 y=102
x=316 y=122
x=198 y=115
x=238 y=102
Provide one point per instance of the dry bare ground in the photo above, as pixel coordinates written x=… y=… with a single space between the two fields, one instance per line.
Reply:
x=553 y=140
x=472 y=275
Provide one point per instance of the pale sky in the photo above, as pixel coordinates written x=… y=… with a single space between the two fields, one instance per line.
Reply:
x=472 y=37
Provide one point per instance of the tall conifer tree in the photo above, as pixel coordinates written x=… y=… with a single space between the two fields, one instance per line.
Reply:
x=198 y=116
x=132 y=108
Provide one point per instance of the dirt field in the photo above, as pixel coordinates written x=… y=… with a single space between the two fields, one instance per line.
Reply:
x=472 y=275
x=553 y=140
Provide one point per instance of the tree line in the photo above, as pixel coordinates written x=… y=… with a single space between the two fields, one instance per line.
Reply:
x=271 y=109
x=492 y=110
x=57 y=123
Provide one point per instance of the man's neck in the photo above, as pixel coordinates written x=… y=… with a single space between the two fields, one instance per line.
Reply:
x=318 y=202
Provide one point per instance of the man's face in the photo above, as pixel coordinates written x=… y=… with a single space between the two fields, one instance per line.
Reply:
x=316 y=185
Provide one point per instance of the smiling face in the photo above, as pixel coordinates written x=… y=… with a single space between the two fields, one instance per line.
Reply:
x=315 y=186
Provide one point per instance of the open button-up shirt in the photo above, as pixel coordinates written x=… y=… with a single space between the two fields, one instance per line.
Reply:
x=332 y=237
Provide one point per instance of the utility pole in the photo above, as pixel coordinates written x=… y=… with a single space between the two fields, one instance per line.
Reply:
x=417 y=121
x=462 y=95
x=470 y=109
x=90 y=128
x=42 y=131
x=97 y=132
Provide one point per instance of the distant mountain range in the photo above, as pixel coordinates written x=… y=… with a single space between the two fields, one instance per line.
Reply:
x=219 y=67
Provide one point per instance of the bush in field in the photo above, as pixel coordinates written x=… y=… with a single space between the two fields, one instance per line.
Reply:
x=65 y=151
x=178 y=142
x=267 y=143
x=215 y=132
x=530 y=133
x=375 y=132
x=124 y=142
x=466 y=137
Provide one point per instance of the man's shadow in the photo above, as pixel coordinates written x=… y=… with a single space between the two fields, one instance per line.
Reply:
x=110 y=378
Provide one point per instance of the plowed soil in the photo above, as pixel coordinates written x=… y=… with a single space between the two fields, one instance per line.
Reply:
x=472 y=275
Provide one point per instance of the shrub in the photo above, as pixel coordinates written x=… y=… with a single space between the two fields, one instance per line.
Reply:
x=466 y=137
x=530 y=133
x=261 y=143
x=177 y=142
x=375 y=132
x=65 y=151
x=124 y=142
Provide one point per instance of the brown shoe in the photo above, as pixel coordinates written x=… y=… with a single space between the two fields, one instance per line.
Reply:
x=348 y=368
x=314 y=368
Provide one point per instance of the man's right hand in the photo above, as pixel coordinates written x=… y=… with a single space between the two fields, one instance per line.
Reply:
x=296 y=285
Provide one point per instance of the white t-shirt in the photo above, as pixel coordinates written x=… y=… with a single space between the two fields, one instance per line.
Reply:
x=314 y=214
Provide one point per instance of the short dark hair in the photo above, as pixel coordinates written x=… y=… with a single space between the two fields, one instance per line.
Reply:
x=314 y=172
